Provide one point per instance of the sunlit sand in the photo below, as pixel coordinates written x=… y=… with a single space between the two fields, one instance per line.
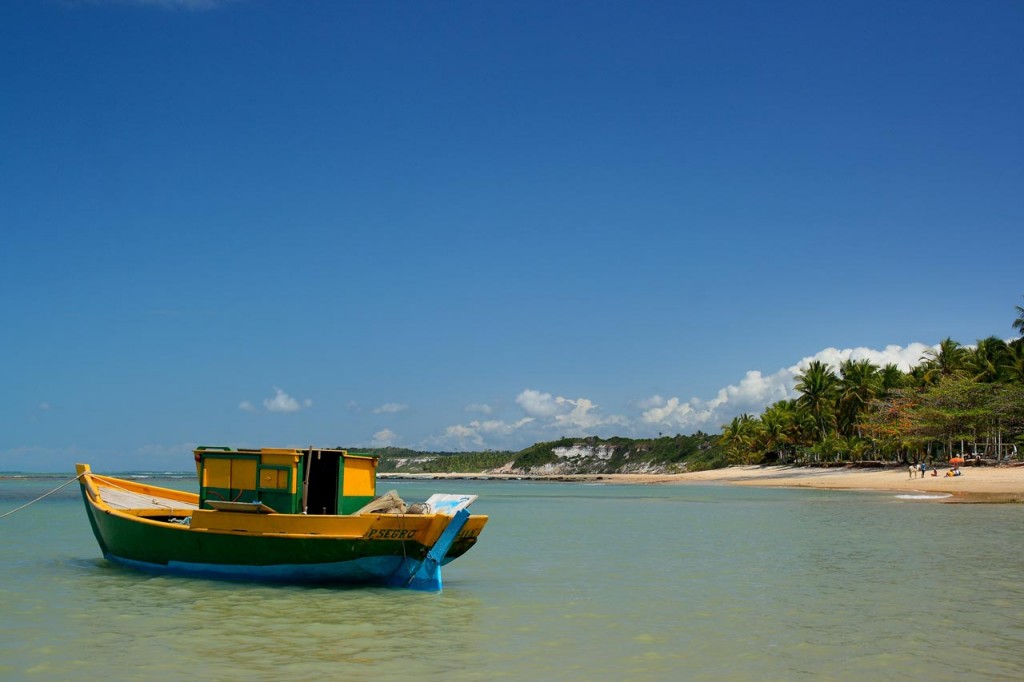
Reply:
x=976 y=484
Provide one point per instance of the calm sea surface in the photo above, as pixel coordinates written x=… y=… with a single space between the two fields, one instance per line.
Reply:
x=569 y=581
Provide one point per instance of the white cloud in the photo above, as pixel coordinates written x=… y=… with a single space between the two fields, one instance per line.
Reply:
x=653 y=401
x=390 y=408
x=281 y=402
x=480 y=408
x=548 y=415
x=565 y=414
x=581 y=414
x=537 y=404
x=903 y=357
x=499 y=427
x=384 y=438
x=462 y=436
x=473 y=434
x=753 y=393
x=756 y=391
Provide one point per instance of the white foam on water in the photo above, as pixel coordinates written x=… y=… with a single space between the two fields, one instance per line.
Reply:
x=924 y=497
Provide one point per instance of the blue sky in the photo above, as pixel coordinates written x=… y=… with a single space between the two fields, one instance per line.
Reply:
x=479 y=225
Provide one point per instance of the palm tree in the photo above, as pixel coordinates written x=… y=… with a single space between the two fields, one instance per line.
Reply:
x=1015 y=362
x=776 y=422
x=891 y=378
x=817 y=388
x=801 y=431
x=989 y=360
x=947 y=361
x=954 y=392
x=739 y=439
x=858 y=385
x=1018 y=324
x=916 y=375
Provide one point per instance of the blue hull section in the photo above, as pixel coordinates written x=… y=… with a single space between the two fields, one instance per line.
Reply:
x=381 y=570
x=426 y=574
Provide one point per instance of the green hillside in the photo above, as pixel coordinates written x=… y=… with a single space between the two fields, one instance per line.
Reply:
x=592 y=455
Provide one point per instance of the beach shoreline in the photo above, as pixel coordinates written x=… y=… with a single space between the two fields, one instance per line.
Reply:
x=977 y=484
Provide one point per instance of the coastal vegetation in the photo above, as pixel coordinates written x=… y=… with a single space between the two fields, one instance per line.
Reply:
x=590 y=455
x=400 y=460
x=621 y=455
x=959 y=400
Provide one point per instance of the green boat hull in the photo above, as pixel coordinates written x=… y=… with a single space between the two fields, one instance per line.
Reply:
x=178 y=549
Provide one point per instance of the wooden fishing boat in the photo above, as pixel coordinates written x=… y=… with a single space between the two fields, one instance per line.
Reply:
x=280 y=515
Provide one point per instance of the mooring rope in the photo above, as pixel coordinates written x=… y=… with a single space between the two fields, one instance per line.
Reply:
x=29 y=504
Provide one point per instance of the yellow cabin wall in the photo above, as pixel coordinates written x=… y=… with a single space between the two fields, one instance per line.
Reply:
x=229 y=473
x=243 y=474
x=217 y=473
x=274 y=476
x=360 y=477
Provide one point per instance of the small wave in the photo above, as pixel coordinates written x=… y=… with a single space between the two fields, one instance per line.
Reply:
x=919 y=496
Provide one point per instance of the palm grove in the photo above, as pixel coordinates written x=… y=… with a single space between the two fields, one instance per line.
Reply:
x=957 y=399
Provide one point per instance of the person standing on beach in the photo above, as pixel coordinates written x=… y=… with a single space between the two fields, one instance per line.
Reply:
x=924 y=468
x=911 y=470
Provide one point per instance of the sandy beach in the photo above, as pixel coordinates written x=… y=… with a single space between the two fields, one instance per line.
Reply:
x=977 y=484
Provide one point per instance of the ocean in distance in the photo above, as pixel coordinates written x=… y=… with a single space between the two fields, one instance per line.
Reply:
x=569 y=581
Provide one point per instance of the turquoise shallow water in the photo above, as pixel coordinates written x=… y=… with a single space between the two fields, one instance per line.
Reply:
x=569 y=581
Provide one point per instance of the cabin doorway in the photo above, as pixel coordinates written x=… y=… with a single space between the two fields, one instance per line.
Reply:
x=321 y=484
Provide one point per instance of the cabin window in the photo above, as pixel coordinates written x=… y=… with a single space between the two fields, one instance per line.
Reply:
x=275 y=478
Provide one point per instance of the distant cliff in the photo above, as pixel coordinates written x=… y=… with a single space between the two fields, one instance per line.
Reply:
x=669 y=454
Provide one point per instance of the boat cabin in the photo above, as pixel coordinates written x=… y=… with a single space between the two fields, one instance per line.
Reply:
x=286 y=481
